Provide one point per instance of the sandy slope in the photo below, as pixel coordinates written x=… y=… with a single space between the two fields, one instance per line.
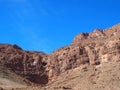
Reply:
x=10 y=80
x=103 y=77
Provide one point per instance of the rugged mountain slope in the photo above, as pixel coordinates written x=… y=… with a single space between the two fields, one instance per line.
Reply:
x=87 y=49
x=91 y=62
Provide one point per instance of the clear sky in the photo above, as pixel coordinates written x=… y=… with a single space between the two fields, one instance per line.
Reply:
x=45 y=25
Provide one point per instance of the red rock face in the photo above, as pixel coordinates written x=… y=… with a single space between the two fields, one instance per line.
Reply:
x=65 y=59
x=25 y=63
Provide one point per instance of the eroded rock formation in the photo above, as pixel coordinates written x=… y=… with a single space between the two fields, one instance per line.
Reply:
x=95 y=48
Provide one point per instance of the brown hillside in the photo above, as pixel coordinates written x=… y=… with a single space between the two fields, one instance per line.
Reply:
x=91 y=62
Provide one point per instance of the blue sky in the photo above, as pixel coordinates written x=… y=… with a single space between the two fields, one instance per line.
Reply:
x=45 y=25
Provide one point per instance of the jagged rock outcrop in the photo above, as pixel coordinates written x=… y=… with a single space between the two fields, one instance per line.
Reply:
x=80 y=37
x=97 y=35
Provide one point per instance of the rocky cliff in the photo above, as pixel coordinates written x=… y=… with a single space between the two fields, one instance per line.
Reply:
x=27 y=64
x=93 y=49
